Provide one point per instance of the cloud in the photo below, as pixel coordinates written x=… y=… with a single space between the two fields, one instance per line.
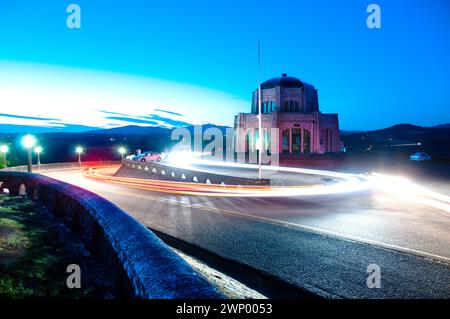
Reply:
x=132 y=120
x=169 y=121
x=50 y=96
x=160 y=120
x=28 y=117
x=168 y=112
x=44 y=129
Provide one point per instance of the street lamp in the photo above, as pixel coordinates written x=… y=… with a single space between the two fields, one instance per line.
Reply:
x=79 y=151
x=4 y=149
x=122 y=151
x=29 y=141
x=38 y=150
x=259 y=111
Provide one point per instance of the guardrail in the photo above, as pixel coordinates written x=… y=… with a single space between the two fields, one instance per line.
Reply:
x=143 y=265
x=155 y=170
x=56 y=166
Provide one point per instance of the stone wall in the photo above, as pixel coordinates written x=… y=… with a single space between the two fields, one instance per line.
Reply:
x=155 y=170
x=143 y=265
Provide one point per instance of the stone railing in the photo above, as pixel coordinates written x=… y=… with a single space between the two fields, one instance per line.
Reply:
x=56 y=166
x=143 y=266
x=155 y=170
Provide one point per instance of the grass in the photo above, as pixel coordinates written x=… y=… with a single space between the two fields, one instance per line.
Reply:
x=35 y=250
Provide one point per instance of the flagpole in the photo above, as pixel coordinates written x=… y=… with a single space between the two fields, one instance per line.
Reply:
x=259 y=111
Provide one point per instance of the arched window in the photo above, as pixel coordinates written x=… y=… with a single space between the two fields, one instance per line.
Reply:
x=291 y=106
x=268 y=106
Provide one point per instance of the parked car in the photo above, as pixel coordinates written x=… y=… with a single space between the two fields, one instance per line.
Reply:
x=420 y=156
x=146 y=157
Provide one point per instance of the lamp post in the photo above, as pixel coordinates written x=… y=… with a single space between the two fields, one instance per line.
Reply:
x=79 y=151
x=259 y=141
x=4 y=149
x=29 y=141
x=38 y=150
x=122 y=151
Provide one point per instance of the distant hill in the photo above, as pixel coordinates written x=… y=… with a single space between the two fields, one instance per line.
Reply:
x=132 y=130
x=145 y=130
x=22 y=129
x=208 y=126
x=401 y=138
x=345 y=132
x=442 y=126
x=78 y=129
x=102 y=144
x=99 y=144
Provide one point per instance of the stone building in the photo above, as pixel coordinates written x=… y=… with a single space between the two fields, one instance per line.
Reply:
x=292 y=106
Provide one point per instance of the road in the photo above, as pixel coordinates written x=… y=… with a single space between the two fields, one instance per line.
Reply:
x=322 y=243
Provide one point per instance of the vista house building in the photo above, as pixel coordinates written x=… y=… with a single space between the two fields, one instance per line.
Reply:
x=292 y=106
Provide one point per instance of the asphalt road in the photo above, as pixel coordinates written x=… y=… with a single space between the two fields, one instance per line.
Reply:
x=320 y=243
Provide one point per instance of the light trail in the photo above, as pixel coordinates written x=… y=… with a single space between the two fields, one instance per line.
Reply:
x=393 y=186
x=348 y=183
x=408 y=191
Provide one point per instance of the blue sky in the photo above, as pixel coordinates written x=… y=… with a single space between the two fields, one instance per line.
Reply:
x=199 y=58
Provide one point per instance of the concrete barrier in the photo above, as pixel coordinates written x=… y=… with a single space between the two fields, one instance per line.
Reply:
x=143 y=266
x=155 y=170
x=57 y=166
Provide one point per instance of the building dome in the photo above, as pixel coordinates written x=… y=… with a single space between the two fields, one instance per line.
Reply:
x=284 y=81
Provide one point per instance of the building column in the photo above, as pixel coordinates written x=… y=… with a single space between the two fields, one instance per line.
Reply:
x=302 y=145
x=290 y=141
x=255 y=140
x=280 y=140
x=329 y=140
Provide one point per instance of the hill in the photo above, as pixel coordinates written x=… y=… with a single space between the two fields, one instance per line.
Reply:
x=401 y=138
x=99 y=144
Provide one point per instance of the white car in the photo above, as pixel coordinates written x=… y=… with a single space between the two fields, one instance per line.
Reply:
x=147 y=157
x=420 y=156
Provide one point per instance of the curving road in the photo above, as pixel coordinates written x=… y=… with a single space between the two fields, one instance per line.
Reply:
x=322 y=243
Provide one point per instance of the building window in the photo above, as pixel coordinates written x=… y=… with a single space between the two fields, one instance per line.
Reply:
x=268 y=106
x=291 y=106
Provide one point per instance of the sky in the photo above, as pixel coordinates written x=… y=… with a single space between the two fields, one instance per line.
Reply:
x=175 y=62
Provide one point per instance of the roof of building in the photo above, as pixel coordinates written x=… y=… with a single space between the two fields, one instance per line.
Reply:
x=284 y=81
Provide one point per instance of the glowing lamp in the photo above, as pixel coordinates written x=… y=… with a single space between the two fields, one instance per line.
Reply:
x=28 y=141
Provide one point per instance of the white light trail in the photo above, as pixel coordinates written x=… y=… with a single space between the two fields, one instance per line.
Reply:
x=408 y=191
